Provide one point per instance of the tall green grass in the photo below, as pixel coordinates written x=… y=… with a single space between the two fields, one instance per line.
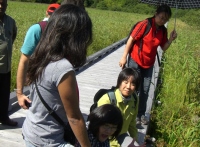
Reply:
x=176 y=122
x=25 y=15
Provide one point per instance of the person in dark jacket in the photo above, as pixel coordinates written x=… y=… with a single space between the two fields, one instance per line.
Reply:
x=8 y=33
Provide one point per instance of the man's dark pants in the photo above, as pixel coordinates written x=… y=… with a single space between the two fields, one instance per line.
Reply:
x=5 y=80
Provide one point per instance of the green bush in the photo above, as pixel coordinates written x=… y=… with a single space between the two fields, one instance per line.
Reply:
x=88 y=3
x=101 y=5
x=189 y=16
x=144 y=9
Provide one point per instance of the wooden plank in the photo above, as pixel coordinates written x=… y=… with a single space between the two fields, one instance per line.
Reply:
x=102 y=74
x=12 y=136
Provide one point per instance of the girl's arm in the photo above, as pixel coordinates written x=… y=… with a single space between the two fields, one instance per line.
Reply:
x=129 y=45
x=172 y=37
x=69 y=96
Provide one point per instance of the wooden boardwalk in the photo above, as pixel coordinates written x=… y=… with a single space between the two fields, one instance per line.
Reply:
x=101 y=72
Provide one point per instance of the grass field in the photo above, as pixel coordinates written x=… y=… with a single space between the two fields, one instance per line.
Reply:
x=176 y=123
x=177 y=120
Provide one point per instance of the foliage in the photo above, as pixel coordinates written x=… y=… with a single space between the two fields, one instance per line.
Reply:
x=88 y=3
x=177 y=120
x=101 y=5
x=189 y=16
x=26 y=16
x=46 y=1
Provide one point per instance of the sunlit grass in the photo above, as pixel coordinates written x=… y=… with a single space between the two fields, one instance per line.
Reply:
x=178 y=118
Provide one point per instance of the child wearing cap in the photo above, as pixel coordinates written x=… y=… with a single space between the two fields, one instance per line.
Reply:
x=30 y=42
x=51 y=8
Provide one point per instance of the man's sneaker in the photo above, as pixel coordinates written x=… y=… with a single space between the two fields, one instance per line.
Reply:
x=144 y=120
x=138 y=121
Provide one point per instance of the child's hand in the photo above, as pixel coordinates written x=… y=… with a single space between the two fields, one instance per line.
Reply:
x=173 y=36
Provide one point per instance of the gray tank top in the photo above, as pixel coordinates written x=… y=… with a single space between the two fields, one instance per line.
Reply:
x=39 y=127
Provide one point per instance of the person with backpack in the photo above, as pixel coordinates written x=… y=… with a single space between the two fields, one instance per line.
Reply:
x=104 y=123
x=30 y=42
x=141 y=49
x=127 y=83
x=52 y=81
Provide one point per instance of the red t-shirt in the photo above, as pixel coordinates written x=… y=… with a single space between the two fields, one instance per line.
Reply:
x=147 y=54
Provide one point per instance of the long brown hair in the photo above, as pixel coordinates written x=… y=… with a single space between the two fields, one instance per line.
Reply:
x=67 y=35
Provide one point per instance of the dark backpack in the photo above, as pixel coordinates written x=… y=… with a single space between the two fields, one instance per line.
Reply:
x=148 y=27
x=42 y=25
x=111 y=95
